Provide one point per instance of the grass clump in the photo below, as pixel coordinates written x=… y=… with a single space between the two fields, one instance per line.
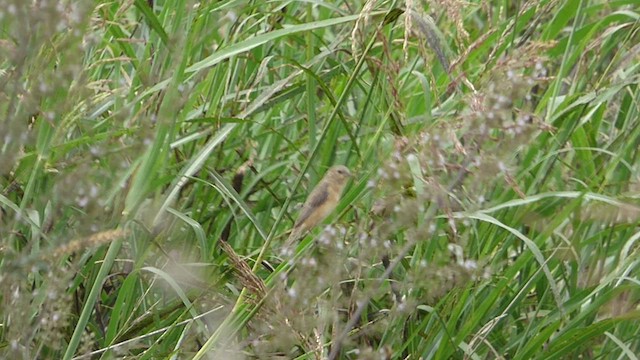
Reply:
x=152 y=154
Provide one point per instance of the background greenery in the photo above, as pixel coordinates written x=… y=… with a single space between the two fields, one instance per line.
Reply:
x=153 y=153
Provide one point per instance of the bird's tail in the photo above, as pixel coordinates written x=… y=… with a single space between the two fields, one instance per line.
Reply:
x=289 y=246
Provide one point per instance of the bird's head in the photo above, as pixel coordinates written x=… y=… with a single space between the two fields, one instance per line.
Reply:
x=339 y=174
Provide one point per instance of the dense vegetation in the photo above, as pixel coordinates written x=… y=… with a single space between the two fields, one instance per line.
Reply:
x=153 y=155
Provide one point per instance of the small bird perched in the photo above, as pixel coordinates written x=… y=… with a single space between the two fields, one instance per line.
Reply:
x=321 y=202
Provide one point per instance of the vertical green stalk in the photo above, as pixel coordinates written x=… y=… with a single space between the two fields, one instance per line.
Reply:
x=92 y=298
x=311 y=83
x=567 y=51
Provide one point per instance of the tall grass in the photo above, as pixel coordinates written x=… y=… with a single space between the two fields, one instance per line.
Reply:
x=153 y=155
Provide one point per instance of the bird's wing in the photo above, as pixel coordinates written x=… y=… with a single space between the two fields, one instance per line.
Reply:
x=317 y=197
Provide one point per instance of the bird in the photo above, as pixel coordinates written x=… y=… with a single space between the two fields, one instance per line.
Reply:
x=322 y=200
